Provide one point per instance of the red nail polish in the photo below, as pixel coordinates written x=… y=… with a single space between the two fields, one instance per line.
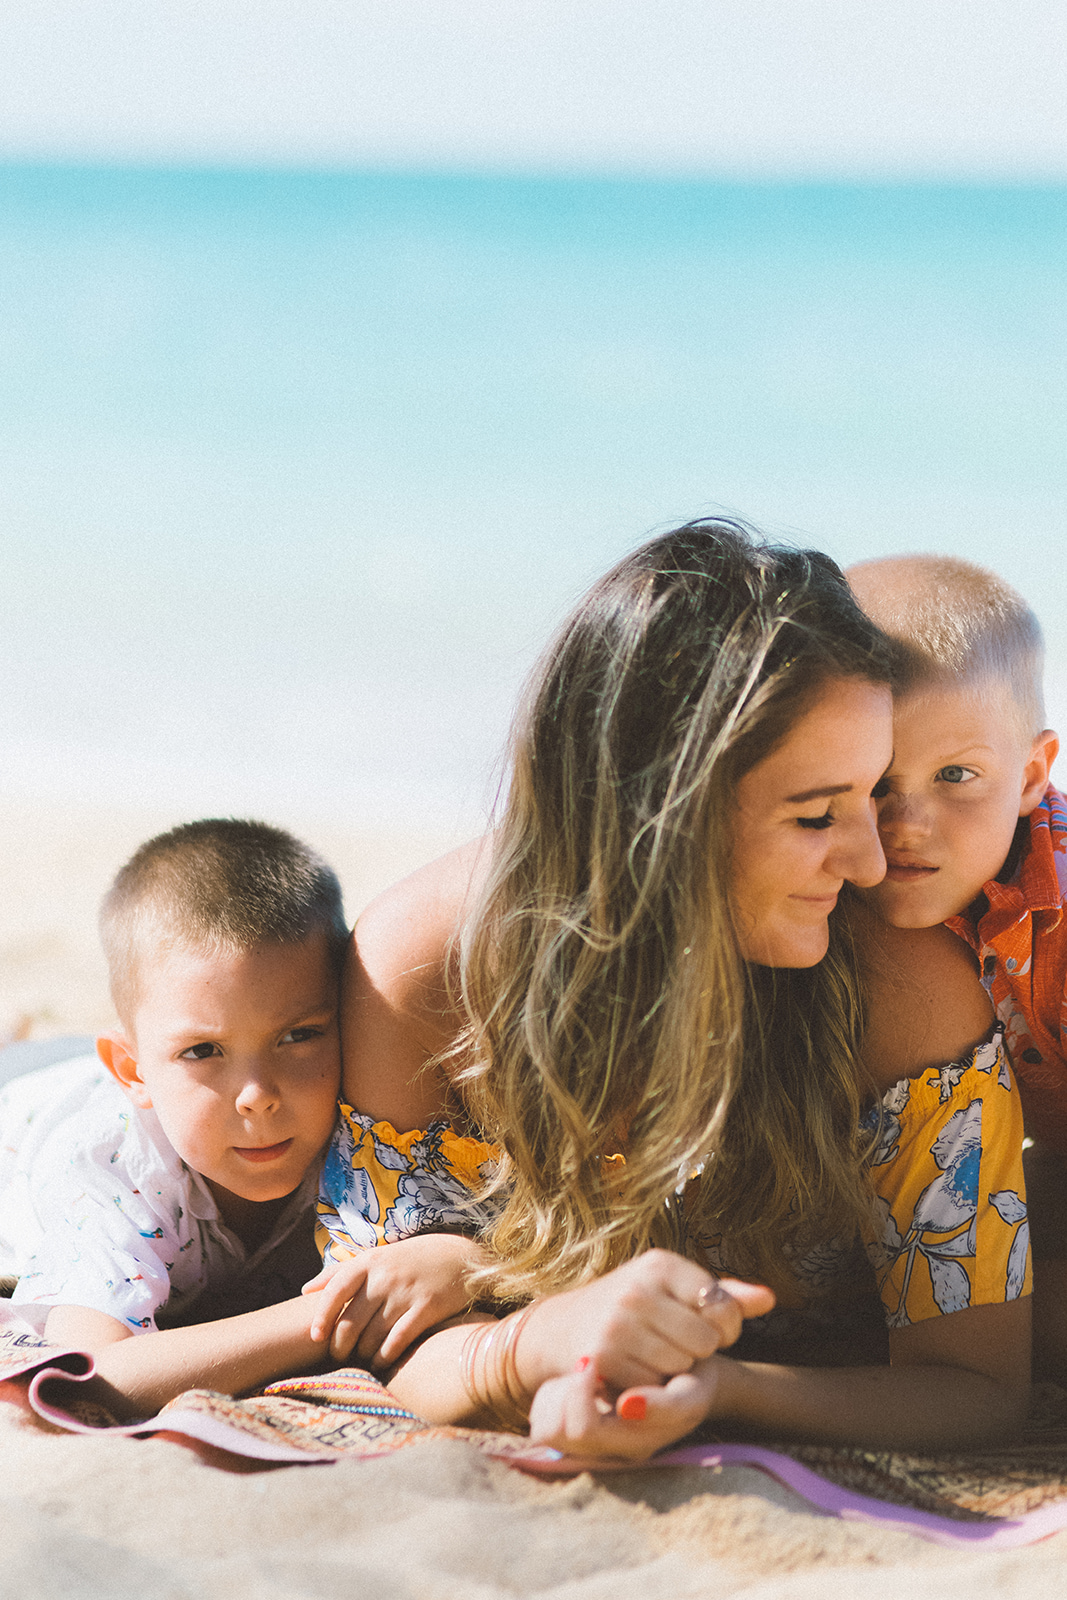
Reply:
x=582 y=1363
x=633 y=1408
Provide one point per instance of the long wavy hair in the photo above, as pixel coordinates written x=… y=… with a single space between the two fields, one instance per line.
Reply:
x=617 y=1040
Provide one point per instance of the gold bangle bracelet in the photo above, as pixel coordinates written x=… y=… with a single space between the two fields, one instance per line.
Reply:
x=472 y=1360
x=514 y=1404
x=489 y=1371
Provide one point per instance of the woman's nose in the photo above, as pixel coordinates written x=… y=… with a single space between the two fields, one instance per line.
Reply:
x=864 y=862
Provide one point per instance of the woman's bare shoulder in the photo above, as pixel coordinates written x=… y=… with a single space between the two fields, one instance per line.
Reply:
x=403 y=936
x=926 y=1005
x=396 y=1010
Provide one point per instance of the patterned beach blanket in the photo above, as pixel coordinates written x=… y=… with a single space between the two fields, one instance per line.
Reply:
x=986 y=1499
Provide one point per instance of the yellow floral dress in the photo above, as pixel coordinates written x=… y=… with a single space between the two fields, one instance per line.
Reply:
x=950 y=1225
x=378 y=1186
x=948 y=1230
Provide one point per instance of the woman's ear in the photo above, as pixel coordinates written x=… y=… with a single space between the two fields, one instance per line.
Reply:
x=1043 y=753
x=116 y=1052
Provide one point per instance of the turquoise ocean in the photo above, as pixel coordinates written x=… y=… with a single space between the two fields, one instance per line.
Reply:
x=299 y=471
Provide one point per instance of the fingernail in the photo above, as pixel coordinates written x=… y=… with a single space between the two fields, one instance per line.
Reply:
x=582 y=1363
x=633 y=1408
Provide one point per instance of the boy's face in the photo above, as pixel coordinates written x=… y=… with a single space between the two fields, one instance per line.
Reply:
x=961 y=777
x=239 y=1057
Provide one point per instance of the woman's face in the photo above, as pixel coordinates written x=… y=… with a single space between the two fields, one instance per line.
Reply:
x=806 y=821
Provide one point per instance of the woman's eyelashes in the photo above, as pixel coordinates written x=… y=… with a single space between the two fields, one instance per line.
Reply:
x=825 y=821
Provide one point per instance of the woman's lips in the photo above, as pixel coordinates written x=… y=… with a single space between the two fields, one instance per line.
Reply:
x=263 y=1152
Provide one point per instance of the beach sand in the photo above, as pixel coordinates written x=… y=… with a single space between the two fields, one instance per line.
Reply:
x=103 y=1518
x=56 y=864
x=120 y=1519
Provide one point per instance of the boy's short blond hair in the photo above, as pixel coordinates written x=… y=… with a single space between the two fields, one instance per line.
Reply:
x=218 y=885
x=956 y=623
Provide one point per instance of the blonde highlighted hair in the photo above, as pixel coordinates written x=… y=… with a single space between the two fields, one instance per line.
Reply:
x=611 y=1012
x=957 y=623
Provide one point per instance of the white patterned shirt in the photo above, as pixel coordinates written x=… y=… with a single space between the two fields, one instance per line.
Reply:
x=97 y=1209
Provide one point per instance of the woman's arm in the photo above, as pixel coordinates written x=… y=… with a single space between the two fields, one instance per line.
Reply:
x=637 y=1325
x=598 y=1356
x=955 y=1382
x=396 y=1013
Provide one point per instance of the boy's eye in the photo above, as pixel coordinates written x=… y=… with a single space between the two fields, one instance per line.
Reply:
x=200 y=1052
x=825 y=821
x=301 y=1035
x=881 y=789
x=955 y=775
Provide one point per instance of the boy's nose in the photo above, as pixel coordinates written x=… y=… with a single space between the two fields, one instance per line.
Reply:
x=257 y=1095
x=902 y=817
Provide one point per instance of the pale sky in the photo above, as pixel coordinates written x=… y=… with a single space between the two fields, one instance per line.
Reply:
x=908 y=88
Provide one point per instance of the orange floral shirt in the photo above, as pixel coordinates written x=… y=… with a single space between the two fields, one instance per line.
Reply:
x=1019 y=932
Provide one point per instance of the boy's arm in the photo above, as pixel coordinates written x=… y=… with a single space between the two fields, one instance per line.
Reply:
x=84 y=1328
x=139 y=1372
x=138 y=1375
x=392 y=1295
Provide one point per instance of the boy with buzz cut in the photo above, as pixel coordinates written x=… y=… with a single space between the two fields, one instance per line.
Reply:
x=975 y=837
x=172 y=1177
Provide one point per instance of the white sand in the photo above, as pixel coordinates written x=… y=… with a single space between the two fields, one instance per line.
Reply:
x=114 y=1519
x=55 y=865
x=117 y=1519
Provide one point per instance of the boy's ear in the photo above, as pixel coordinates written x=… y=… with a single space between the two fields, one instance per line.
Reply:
x=1043 y=753
x=116 y=1052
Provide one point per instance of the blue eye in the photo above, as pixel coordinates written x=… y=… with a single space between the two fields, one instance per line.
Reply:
x=955 y=774
x=825 y=821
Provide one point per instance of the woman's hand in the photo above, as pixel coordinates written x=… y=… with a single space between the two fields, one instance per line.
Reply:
x=639 y=1327
x=957 y=1382
x=575 y=1415
x=651 y=1319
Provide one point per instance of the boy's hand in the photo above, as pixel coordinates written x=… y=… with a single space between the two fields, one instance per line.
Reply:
x=377 y=1303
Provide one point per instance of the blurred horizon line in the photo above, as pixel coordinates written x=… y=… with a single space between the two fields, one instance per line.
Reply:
x=635 y=176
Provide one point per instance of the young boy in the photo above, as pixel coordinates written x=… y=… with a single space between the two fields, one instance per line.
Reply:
x=975 y=837
x=174 y=1178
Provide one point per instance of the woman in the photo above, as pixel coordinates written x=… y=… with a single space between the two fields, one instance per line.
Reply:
x=653 y=1025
